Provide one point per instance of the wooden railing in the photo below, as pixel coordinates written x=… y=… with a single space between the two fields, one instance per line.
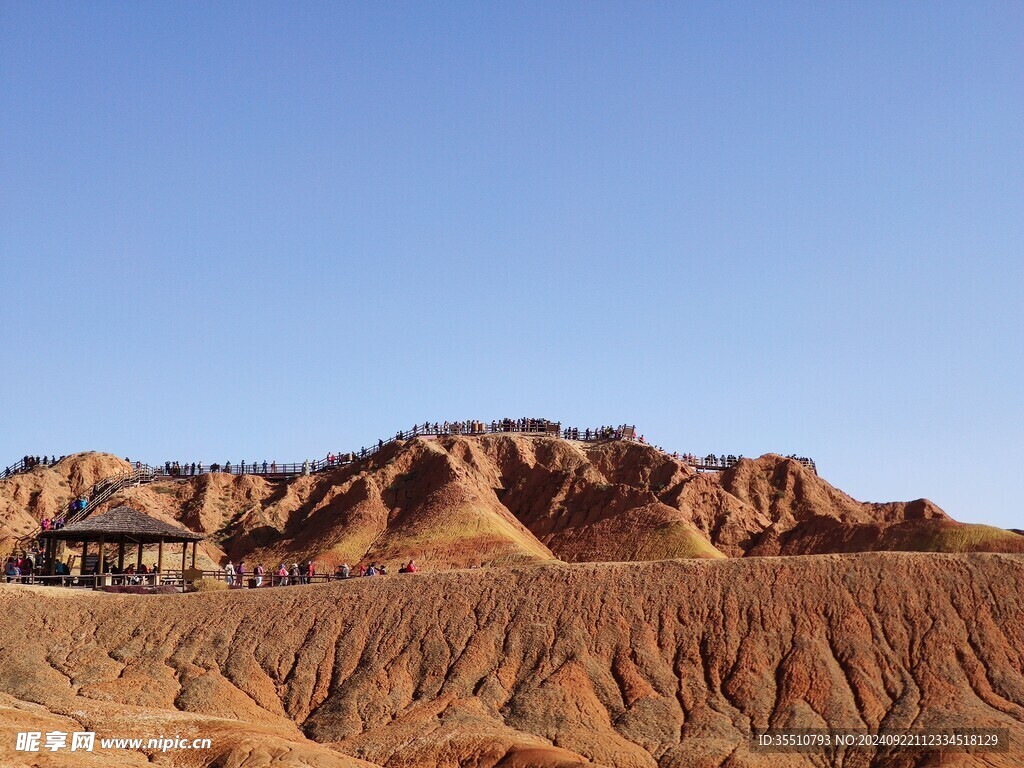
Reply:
x=15 y=468
x=248 y=580
x=25 y=463
x=172 y=578
x=718 y=463
x=532 y=427
x=87 y=581
x=144 y=473
x=108 y=486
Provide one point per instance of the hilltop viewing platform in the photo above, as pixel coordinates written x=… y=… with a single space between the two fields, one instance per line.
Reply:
x=470 y=428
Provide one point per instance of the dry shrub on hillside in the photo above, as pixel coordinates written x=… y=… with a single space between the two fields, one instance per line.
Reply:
x=208 y=585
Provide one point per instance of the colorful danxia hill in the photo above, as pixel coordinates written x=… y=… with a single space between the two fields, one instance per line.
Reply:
x=577 y=603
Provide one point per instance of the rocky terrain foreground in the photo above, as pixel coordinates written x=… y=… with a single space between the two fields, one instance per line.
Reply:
x=666 y=664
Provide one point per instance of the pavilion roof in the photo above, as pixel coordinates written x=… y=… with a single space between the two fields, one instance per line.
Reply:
x=126 y=522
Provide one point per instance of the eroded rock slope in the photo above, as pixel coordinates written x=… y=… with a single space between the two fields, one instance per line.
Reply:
x=665 y=664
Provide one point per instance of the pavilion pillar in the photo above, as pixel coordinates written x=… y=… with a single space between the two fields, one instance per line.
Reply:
x=85 y=555
x=184 y=554
x=159 y=563
x=51 y=556
x=194 y=554
x=99 y=563
x=138 y=560
x=120 y=555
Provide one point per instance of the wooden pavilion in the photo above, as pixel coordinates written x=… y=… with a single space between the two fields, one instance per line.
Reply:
x=125 y=527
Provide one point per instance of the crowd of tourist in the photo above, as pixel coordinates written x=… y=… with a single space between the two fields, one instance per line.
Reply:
x=710 y=461
x=17 y=567
x=176 y=469
x=597 y=434
x=28 y=462
x=306 y=573
x=725 y=461
x=426 y=429
x=524 y=425
x=185 y=469
x=53 y=523
x=475 y=427
x=31 y=566
x=131 y=573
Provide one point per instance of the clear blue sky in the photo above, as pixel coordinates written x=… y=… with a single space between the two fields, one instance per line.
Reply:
x=272 y=230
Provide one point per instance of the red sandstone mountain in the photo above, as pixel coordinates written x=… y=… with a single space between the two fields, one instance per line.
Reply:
x=538 y=664
x=459 y=501
x=639 y=665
